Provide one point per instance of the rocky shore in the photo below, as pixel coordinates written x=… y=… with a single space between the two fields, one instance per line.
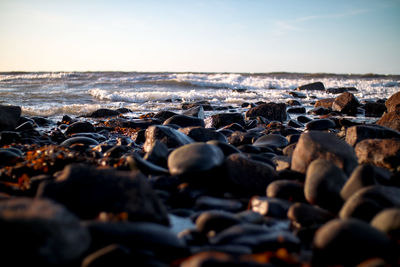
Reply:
x=207 y=186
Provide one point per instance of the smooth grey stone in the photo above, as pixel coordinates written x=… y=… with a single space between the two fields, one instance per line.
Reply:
x=79 y=140
x=271 y=140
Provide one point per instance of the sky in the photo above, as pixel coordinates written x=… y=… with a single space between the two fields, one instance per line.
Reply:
x=341 y=36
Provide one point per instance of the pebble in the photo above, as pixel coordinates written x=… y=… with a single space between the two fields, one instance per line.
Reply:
x=167 y=135
x=201 y=134
x=286 y=189
x=346 y=103
x=320 y=125
x=388 y=222
x=184 y=121
x=270 y=111
x=271 y=140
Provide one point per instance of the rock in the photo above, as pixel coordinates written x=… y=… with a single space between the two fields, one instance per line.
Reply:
x=242 y=138
x=320 y=125
x=80 y=127
x=346 y=103
x=8 y=157
x=9 y=116
x=41 y=121
x=103 y=112
x=393 y=103
x=51 y=234
x=184 y=121
x=201 y=134
x=226 y=148
x=368 y=201
x=213 y=203
x=286 y=189
x=325 y=103
x=194 y=158
x=281 y=162
x=374 y=109
x=222 y=119
x=212 y=257
x=303 y=119
x=347 y=243
x=297 y=94
x=388 y=222
x=271 y=111
x=317 y=86
x=379 y=152
x=324 y=180
x=271 y=207
x=355 y=134
x=197 y=112
x=26 y=126
x=297 y=110
x=86 y=141
x=306 y=215
x=288 y=150
x=362 y=176
x=319 y=111
x=215 y=221
x=205 y=104
x=293 y=102
x=390 y=120
x=295 y=124
x=249 y=176
x=234 y=127
x=123 y=110
x=170 y=137
x=113 y=254
x=340 y=90
x=158 y=154
x=87 y=191
x=293 y=138
x=316 y=144
x=164 y=115
x=9 y=137
x=136 y=162
x=271 y=140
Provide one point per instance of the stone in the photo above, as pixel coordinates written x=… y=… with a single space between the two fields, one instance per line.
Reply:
x=348 y=242
x=306 y=215
x=271 y=140
x=296 y=110
x=8 y=157
x=223 y=119
x=271 y=111
x=346 y=103
x=388 y=222
x=390 y=120
x=9 y=137
x=271 y=207
x=136 y=162
x=357 y=133
x=293 y=102
x=323 y=183
x=87 y=191
x=320 y=125
x=215 y=221
x=303 y=119
x=288 y=150
x=286 y=189
x=379 y=152
x=281 y=162
x=369 y=201
x=103 y=112
x=362 y=176
x=123 y=110
x=226 y=148
x=393 y=102
x=195 y=158
x=295 y=124
x=317 y=144
x=158 y=154
x=197 y=111
x=340 y=90
x=26 y=126
x=113 y=254
x=167 y=135
x=9 y=116
x=213 y=203
x=317 y=86
x=234 y=127
x=248 y=176
x=184 y=121
x=374 y=109
x=86 y=141
x=201 y=134
x=297 y=94
x=325 y=103
x=163 y=115
x=205 y=104
x=40 y=231
x=319 y=111
x=80 y=127
x=242 y=138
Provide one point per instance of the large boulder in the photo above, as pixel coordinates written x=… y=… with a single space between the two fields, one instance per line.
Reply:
x=270 y=111
x=9 y=116
x=40 y=231
x=379 y=152
x=87 y=191
x=316 y=144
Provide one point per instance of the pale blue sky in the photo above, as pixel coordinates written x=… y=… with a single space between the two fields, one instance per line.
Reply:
x=360 y=36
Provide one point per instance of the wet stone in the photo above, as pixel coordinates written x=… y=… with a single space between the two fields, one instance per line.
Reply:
x=271 y=207
x=374 y=109
x=319 y=111
x=164 y=115
x=213 y=203
x=293 y=102
x=9 y=116
x=80 y=127
x=270 y=111
x=169 y=136
x=223 y=119
x=201 y=134
x=241 y=138
x=136 y=162
x=391 y=120
x=9 y=137
x=303 y=119
x=103 y=112
x=362 y=176
x=305 y=215
x=197 y=112
x=271 y=140
x=113 y=254
x=226 y=148
x=215 y=221
x=184 y=121
x=346 y=103
x=234 y=127
x=339 y=90
x=286 y=189
x=205 y=104
x=317 y=86
x=297 y=94
x=393 y=102
x=8 y=157
x=320 y=125
x=294 y=124
x=388 y=222
x=357 y=133
x=158 y=154
x=86 y=141
x=296 y=110
x=325 y=103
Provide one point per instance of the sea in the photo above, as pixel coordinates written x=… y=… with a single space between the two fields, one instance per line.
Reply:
x=54 y=94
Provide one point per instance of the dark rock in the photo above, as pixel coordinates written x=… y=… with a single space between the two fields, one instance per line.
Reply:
x=368 y=201
x=317 y=86
x=316 y=144
x=213 y=203
x=271 y=140
x=123 y=110
x=158 y=154
x=164 y=115
x=295 y=124
x=325 y=103
x=340 y=90
x=201 y=134
x=194 y=158
x=357 y=133
x=379 y=152
x=51 y=234
x=388 y=222
x=215 y=221
x=305 y=215
x=234 y=127
x=362 y=176
x=319 y=111
x=87 y=191
x=26 y=126
x=226 y=148
x=222 y=119
x=241 y=138
x=303 y=119
x=324 y=180
x=197 y=112
x=298 y=110
x=293 y=138
x=320 y=125
x=289 y=149
x=113 y=254
x=346 y=103
x=390 y=120
x=8 y=137
x=205 y=104
x=8 y=157
x=184 y=121
x=103 y=112
x=281 y=162
x=293 y=102
x=271 y=207
x=374 y=109
x=297 y=94
x=249 y=176
x=135 y=162
x=286 y=189
x=212 y=257
x=42 y=121
x=270 y=111
x=9 y=116
x=67 y=120
x=347 y=243
x=393 y=103
x=80 y=127
x=247 y=148
x=86 y=141
x=170 y=137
